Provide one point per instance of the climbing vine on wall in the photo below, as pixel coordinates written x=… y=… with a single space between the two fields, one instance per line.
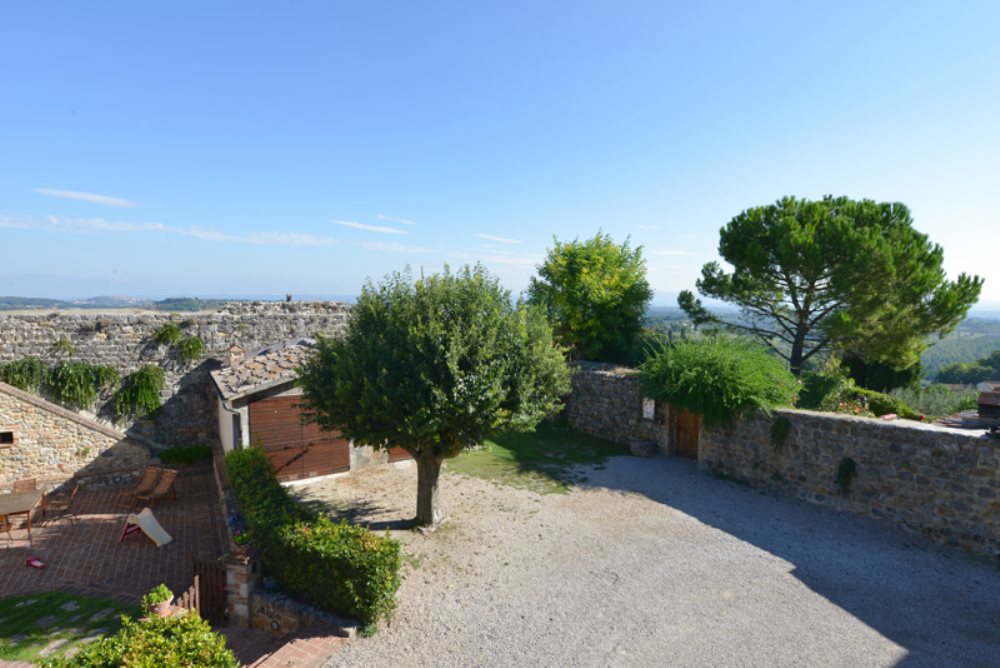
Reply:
x=26 y=374
x=78 y=384
x=140 y=393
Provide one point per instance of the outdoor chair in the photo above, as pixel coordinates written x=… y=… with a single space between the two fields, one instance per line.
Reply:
x=164 y=486
x=56 y=505
x=145 y=485
x=27 y=485
x=5 y=527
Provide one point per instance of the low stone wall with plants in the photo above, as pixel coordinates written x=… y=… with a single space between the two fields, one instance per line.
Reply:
x=182 y=345
x=943 y=483
x=606 y=402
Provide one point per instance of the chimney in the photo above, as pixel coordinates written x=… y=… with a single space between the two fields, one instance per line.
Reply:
x=235 y=354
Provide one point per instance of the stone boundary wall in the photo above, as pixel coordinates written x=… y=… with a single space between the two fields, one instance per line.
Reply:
x=606 y=402
x=940 y=482
x=125 y=342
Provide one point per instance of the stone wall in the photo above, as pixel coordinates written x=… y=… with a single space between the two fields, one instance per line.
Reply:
x=125 y=342
x=606 y=401
x=53 y=445
x=940 y=482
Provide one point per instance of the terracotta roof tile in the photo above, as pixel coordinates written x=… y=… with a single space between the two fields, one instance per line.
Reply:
x=271 y=366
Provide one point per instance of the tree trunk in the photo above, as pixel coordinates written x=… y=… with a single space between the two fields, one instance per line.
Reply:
x=428 y=470
x=798 y=346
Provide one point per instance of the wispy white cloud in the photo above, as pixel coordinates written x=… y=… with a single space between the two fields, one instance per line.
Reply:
x=689 y=236
x=392 y=247
x=102 y=226
x=499 y=240
x=94 y=198
x=393 y=219
x=10 y=223
x=649 y=227
x=369 y=228
x=673 y=252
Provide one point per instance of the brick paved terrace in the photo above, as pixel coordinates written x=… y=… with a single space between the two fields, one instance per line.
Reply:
x=86 y=555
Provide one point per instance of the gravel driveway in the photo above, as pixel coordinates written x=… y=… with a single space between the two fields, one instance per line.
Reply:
x=652 y=563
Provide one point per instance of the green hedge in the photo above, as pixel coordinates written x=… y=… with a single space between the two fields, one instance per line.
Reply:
x=191 y=454
x=340 y=567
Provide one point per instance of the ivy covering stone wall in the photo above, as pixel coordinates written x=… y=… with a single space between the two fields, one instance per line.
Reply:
x=127 y=342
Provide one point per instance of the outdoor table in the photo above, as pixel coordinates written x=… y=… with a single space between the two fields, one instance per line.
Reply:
x=20 y=503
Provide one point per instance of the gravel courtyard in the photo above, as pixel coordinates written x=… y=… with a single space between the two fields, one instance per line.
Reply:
x=652 y=563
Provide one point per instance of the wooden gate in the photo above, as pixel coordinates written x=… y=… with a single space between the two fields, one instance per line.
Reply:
x=210 y=584
x=686 y=433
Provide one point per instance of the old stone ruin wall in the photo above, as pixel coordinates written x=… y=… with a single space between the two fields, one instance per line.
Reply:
x=126 y=342
x=940 y=482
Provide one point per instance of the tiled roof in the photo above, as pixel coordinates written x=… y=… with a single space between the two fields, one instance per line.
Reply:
x=272 y=366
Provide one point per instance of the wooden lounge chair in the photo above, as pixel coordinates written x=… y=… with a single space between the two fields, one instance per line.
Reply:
x=164 y=486
x=56 y=505
x=27 y=485
x=145 y=485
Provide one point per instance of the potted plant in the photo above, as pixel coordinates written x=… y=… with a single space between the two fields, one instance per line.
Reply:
x=157 y=601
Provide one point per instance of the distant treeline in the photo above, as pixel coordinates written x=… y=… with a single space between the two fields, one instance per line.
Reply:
x=170 y=304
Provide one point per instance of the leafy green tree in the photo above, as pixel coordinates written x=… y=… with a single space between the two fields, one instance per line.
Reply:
x=435 y=365
x=986 y=368
x=596 y=294
x=718 y=377
x=852 y=276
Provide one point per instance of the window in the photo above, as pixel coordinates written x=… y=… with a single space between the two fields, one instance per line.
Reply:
x=6 y=438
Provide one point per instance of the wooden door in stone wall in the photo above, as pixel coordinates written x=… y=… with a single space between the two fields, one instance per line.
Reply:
x=686 y=433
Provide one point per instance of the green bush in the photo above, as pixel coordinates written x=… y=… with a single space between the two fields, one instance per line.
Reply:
x=27 y=374
x=936 y=400
x=340 y=567
x=718 y=377
x=834 y=393
x=191 y=454
x=187 y=640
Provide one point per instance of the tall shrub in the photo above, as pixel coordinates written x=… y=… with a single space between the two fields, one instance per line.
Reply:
x=718 y=377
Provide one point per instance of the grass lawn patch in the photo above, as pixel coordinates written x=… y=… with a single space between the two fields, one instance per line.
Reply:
x=47 y=625
x=543 y=461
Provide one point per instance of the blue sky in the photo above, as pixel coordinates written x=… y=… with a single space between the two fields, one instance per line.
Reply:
x=262 y=148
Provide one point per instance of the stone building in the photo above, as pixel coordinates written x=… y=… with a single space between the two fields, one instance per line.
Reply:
x=41 y=440
x=258 y=403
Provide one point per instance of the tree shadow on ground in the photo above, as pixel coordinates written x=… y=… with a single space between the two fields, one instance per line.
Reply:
x=940 y=604
x=365 y=512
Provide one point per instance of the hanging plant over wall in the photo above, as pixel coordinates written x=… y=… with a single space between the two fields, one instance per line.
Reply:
x=168 y=334
x=26 y=374
x=190 y=348
x=77 y=384
x=140 y=393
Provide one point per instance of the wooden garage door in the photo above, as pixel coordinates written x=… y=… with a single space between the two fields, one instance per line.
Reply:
x=296 y=451
x=397 y=454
